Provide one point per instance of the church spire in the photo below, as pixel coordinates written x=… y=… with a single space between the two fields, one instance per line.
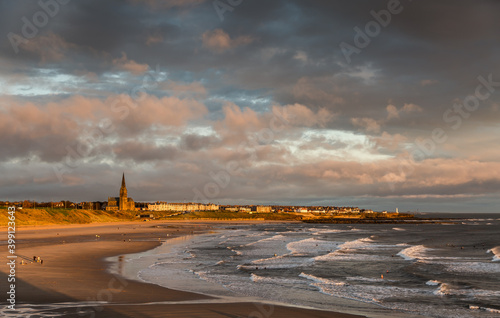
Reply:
x=123 y=181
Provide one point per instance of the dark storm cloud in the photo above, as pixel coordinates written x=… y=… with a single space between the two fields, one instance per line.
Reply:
x=227 y=77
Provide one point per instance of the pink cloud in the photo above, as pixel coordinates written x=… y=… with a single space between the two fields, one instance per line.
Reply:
x=394 y=112
x=131 y=66
x=366 y=124
x=219 y=41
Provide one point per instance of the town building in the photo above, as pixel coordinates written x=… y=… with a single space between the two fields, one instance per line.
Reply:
x=261 y=209
x=123 y=202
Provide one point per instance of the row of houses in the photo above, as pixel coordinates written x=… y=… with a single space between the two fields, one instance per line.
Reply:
x=179 y=207
x=331 y=210
x=251 y=208
x=189 y=207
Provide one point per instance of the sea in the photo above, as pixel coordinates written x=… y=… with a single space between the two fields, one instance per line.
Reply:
x=449 y=269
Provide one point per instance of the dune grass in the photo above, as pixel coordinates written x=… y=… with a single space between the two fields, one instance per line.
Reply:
x=49 y=216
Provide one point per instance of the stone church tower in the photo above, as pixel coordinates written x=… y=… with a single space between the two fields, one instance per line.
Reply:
x=123 y=195
x=122 y=203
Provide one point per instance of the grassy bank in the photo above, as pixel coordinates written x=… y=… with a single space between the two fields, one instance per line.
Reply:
x=48 y=216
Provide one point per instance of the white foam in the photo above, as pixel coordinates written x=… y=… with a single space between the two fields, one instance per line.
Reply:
x=443 y=290
x=322 y=280
x=339 y=256
x=277 y=237
x=448 y=290
x=278 y=262
x=189 y=255
x=326 y=231
x=368 y=279
x=238 y=253
x=248 y=267
x=471 y=267
x=417 y=252
x=331 y=231
x=365 y=293
x=472 y=307
x=433 y=283
x=274 y=280
x=492 y=310
x=496 y=253
x=258 y=279
x=398 y=229
x=352 y=250
x=311 y=246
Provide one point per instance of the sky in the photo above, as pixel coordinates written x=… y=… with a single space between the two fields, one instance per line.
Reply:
x=377 y=104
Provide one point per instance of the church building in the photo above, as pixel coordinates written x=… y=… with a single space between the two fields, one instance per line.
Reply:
x=122 y=203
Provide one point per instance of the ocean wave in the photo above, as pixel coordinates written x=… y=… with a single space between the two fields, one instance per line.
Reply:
x=398 y=229
x=423 y=254
x=443 y=290
x=189 y=255
x=282 y=261
x=369 y=279
x=250 y=267
x=471 y=267
x=322 y=232
x=311 y=246
x=274 y=280
x=234 y=250
x=339 y=256
x=417 y=252
x=331 y=231
x=352 y=250
x=267 y=239
x=374 y=293
x=493 y=310
x=448 y=290
x=323 y=280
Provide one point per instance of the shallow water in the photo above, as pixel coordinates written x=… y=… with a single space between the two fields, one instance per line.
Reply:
x=429 y=270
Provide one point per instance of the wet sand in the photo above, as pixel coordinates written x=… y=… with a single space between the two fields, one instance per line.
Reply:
x=74 y=282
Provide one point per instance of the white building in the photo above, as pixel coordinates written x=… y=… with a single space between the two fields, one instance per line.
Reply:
x=179 y=207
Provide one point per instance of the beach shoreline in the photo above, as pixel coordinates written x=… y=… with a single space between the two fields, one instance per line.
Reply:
x=74 y=279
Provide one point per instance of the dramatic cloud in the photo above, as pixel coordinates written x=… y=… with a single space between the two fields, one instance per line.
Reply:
x=394 y=112
x=219 y=41
x=168 y=4
x=177 y=94
x=125 y=64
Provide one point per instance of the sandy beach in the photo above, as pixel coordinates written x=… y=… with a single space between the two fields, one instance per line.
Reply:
x=73 y=280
